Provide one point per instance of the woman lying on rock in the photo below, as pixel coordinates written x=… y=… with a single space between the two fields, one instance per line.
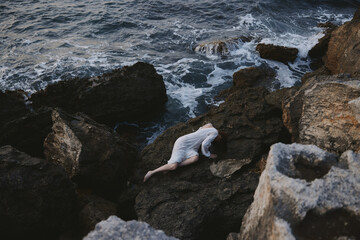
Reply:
x=185 y=150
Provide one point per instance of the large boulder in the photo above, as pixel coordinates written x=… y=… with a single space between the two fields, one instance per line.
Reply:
x=28 y=132
x=115 y=228
x=131 y=93
x=254 y=77
x=12 y=106
x=277 y=53
x=37 y=199
x=207 y=200
x=93 y=155
x=304 y=193
x=343 y=55
x=327 y=119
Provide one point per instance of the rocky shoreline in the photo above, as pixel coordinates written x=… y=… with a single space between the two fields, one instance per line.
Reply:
x=291 y=160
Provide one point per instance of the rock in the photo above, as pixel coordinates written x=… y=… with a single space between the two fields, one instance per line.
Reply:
x=37 y=199
x=12 y=106
x=327 y=119
x=254 y=77
x=28 y=132
x=131 y=93
x=95 y=210
x=305 y=194
x=320 y=49
x=343 y=55
x=226 y=168
x=355 y=108
x=220 y=47
x=192 y=203
x=92 y=154
x=277 y=53
x=115 y=228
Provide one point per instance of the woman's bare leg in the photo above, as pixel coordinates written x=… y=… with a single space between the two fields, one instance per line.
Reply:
x=166 y=167
x=189 y=161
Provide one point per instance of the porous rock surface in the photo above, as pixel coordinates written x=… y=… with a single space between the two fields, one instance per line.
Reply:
x=286 y=195
x=328 y=120
x=37 y=199
x=115 y=228
x=92 y=154
x=132 y=93
x=343 y=55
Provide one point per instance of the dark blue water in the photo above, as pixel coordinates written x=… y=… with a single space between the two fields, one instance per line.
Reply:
x=46 y=41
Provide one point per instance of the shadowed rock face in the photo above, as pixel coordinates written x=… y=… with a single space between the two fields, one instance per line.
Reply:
x=277 y=53
x=283 y=201
x=343 y=55
x=131 y=93
x=37 y=199
x=92 y=154
x=12 y=106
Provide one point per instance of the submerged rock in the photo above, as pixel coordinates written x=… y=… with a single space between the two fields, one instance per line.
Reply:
x=131 y=93
x=343 y=55
x=37 y=199
x=115 y=228
x=92 y=154
x=220 y=47
x=304 y=193
x=277 y=53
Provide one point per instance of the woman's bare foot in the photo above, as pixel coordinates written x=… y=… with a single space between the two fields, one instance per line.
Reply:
x=148 y=175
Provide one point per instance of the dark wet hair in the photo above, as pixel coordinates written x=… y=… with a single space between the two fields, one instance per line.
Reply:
x=219 y=145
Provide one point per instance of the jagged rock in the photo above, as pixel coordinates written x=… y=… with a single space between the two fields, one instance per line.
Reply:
x=220 y=47
x=28 y=133
x=305 y=194
x=343 y=55
x=277 y=53
x=92 y=154
x=131 y=93
x=115 y=228
x=37 y=199
x=188 y=203
x=327 y=119
x=94 y=210
x=227 y=167
x=12 y=106
x=320 y=49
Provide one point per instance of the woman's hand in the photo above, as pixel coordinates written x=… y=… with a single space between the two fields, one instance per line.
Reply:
x=213 y=156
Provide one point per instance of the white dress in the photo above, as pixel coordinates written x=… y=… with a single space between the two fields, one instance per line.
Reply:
x=188 y=145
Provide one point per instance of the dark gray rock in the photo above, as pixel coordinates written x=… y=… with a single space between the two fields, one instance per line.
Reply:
x=131 y=93
x=12 y=106
x=93 y=155
x=37 y=199
x=277 y=53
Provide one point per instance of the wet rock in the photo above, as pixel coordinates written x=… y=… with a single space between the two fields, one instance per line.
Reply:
x=343 y=55
x=327 y=119
x=192 y=203
x=93 y=211
x=92 y=154
x=254 y=77
x=37 y=199
x=220 y=47
x=277 y=53
x=12 y=106
x=131 y=93
x=320 y=49
x=28 y=133
x=283 y=201
x=115 y=228
x=227 y=167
